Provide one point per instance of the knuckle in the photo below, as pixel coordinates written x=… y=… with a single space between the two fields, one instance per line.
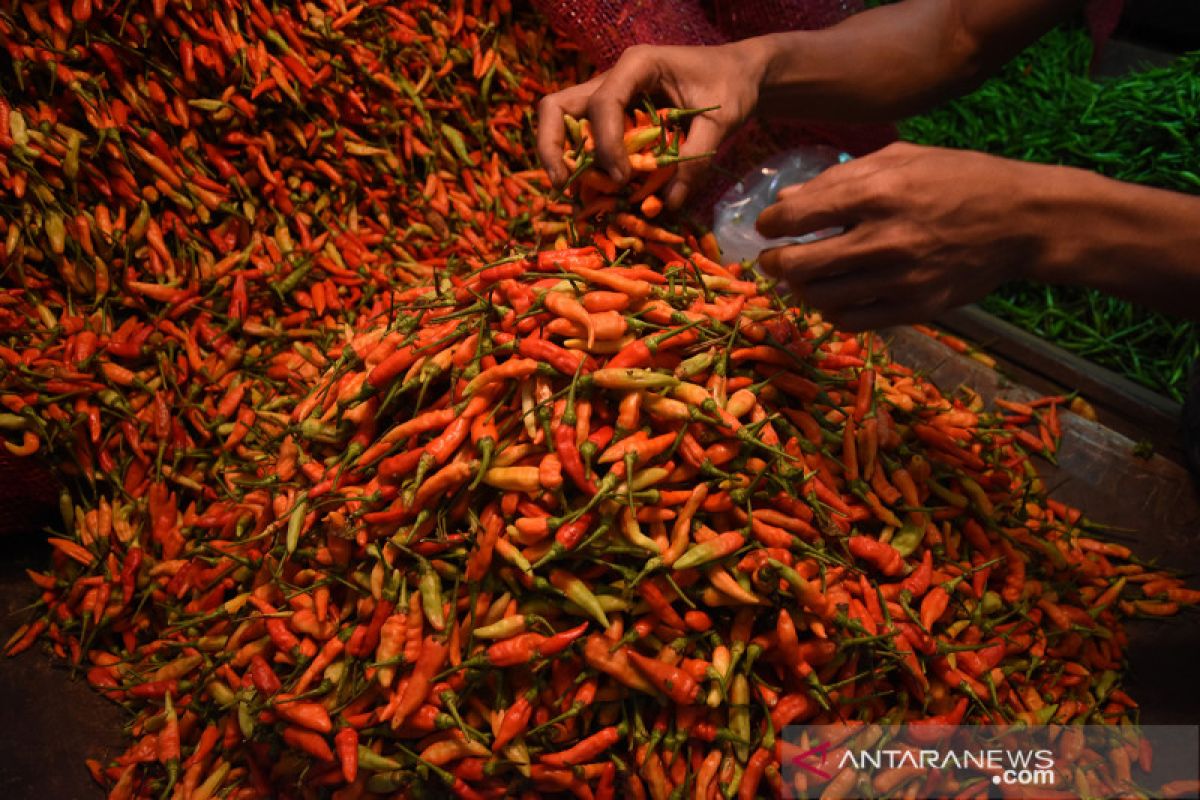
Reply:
x=723 y=117
x=899 y=148
x=884 y=184
x=599 y=101
x=914 y=279
x=636 y=54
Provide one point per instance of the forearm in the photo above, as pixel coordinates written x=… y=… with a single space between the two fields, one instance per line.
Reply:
x=898 y=59
x=1132 y=241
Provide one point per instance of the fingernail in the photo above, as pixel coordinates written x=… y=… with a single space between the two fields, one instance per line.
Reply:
x=618 y=174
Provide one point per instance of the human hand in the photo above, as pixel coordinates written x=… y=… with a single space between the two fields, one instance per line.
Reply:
x=725 y=76
x=927 y=229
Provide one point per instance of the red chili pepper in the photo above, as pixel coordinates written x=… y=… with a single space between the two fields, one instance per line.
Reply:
x=586 y=750
x=525 y=647
x=432 y=657
x=917 y=582
x=345 y=743
x=283 y=638
x=933 y=605
x=793 y=707
x=568 y=453
x=569 y=535
x=313 y=716
x=926 y=731
x=568 y=362
x=154 y=689
x=481 y=557
x=671 y=681
x=398 y=467
x=881 y=555
x=654 y=595
x=263 y=676
x=208 y=742
x=513 y=723
x=308 y=742
x=752 y=776
x=445 y=444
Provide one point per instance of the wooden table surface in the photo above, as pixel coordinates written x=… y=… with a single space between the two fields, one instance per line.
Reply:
x=50 y=720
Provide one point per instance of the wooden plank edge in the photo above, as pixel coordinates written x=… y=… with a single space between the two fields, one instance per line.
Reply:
x=1121 y=404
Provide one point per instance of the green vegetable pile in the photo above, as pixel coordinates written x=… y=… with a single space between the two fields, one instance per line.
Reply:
x=1142 y=128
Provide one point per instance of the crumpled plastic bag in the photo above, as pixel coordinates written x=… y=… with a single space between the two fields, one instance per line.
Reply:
x=736 y=212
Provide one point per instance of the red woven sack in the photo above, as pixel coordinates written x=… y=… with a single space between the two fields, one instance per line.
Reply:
x=741 y=20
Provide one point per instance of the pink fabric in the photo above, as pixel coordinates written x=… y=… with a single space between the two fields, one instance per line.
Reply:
x=741 y=20
x=602 y=29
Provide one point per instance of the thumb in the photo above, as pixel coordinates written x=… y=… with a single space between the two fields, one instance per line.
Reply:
x=704 y=136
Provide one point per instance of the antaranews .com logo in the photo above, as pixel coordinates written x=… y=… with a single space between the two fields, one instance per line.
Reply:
x=1051 y=761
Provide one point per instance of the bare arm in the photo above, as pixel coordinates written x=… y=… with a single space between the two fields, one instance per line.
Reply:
x=928 y=229
x=1132 y=241
x=880 y=64
x=898 y=59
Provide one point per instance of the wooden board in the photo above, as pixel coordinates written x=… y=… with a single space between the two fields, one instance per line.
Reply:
x=1124 y=406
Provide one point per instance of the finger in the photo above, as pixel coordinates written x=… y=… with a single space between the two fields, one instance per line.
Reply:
x=850 y=178
x=809 y=208
x=831 y=176
x=704 y=136
x=552 y=130
x=873 y=316
x=864 y=284
x=635 y=72
x=800 y=264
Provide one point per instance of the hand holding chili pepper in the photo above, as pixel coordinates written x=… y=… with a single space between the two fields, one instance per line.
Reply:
x=718 y=79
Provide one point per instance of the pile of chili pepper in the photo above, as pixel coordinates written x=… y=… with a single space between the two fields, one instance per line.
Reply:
x=375 y=495
x=189 y=186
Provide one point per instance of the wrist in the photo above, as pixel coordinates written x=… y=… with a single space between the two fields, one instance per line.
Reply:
x=1061 y=206
x=794 y=65
x=757 y=59
x=1088 y=227
x=1133 y=241
x=778 y=54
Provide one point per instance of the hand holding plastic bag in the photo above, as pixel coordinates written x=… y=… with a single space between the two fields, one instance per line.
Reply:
x=736 y=212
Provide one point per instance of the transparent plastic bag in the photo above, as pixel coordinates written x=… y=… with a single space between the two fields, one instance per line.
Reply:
x=736 y=212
